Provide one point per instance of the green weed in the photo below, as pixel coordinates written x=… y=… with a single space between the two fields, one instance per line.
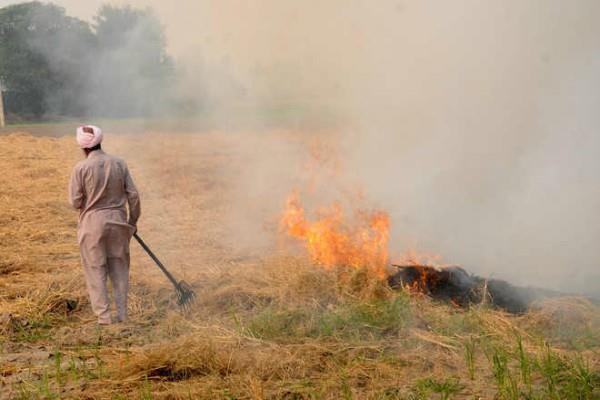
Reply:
x=445 y=388
x=146 y=393
x=524 y=365
x=470 y=357
x=505 y=381
x=31 y=331
x=58 y=373
x=565 y=378
x=392 y=393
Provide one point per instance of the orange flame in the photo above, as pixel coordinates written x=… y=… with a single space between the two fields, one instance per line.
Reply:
x=331 y=242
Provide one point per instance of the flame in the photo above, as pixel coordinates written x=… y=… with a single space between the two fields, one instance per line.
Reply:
x=416 y=257
x=331 y=241
x=428 y=266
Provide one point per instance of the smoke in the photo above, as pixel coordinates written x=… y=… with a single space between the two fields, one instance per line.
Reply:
x=475 y=124
x=485 y=140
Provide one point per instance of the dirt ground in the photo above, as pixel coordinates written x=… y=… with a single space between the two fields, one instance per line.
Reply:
x=265 y=325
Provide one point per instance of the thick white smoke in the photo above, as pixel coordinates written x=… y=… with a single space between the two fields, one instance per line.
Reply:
x=475 y=124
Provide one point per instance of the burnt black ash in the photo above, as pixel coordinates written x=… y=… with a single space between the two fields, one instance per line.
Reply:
x=456 y=285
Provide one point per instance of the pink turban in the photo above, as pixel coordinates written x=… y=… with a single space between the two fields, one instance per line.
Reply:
x=87 y=140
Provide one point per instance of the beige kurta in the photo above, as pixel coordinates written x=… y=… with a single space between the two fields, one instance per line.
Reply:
x=100 y=188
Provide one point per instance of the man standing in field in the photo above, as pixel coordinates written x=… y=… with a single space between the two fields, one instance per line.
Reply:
x=100 y=188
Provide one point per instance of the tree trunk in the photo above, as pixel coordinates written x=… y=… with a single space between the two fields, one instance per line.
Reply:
x=2 y=121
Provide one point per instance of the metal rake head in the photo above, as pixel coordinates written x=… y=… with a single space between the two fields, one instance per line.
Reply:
x=185 y=295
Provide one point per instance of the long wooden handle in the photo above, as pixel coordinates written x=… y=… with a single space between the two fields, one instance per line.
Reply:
x=156 y=260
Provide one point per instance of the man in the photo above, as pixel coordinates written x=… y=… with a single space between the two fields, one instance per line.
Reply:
x=100 y=188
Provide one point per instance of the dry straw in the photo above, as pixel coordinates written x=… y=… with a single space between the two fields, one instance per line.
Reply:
x=269 y=327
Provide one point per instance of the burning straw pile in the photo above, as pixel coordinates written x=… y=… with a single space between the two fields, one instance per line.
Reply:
x=332 y=242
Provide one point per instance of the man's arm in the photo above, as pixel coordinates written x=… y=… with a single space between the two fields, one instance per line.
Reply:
x=76 y=195
x=133 y=199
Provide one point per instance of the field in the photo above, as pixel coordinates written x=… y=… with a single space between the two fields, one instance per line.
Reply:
x=265 y=326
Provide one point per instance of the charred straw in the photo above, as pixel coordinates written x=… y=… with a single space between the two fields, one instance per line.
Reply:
x=456 y=285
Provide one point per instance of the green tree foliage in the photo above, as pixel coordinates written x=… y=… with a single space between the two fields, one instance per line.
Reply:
x=55 y=65
x=34 y=83
x=132 y=64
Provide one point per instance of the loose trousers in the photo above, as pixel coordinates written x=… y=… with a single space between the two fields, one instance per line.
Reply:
x=96 y=281
x=104 y=245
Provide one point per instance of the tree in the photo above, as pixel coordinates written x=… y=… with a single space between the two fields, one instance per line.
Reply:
x=41 y=59
x=55 y=65
x=132 y=65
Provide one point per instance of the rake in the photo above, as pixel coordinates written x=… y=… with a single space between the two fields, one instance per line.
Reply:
x=185 y=294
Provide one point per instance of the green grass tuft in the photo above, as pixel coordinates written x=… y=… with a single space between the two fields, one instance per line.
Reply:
x=358 y=320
